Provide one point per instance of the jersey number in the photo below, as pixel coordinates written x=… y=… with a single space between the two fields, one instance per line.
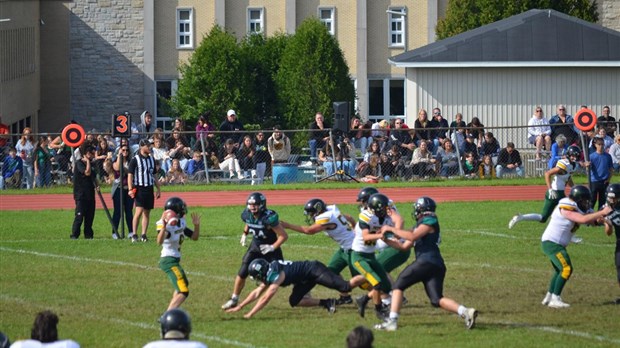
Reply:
x=256 y=233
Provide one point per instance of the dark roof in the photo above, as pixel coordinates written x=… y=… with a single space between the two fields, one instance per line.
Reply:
x=532 y=36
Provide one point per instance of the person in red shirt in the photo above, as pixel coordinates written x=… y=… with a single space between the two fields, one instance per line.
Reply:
x=4 y=137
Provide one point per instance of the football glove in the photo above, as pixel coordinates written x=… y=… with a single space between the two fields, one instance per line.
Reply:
x=243 y=237
x=266 y=248
x=553 y=194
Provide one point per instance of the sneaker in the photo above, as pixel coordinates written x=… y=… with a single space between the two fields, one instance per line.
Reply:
x=143 y=238
x=344 y=300
x=575 y=239
x=330 y=305
x=114 y=236
x=556 y=302
x=134 y=238
x=547 y=299
x=230 y=303
x=361 y=303
x=514 y=220
x=73 y=237
x=130 y=235
x=388 y=325
x=470 y=318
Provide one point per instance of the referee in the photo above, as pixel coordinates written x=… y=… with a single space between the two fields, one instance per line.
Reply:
x=140 y=182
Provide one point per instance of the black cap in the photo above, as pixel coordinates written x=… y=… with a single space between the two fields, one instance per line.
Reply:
x=145 y=142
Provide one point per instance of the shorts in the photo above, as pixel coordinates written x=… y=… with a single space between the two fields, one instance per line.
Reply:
x=172 y=267
x=145 y=198
x=366 y=264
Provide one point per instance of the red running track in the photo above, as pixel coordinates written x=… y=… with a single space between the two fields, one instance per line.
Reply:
x=284 y=197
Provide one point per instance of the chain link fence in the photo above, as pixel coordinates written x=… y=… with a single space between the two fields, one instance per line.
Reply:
x=289 y=156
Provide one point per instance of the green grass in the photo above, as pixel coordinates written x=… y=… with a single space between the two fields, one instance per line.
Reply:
x=109 y=293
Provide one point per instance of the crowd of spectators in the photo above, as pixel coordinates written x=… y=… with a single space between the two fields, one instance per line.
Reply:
x=369 y=151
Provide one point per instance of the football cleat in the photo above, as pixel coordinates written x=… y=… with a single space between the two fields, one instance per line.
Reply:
x=134 y=238
x=388 y=325
x=515 y=219
x=575 y=239
x=230 y=303
x=361 y=303
x=547 y=299
x=382 y=312
x=330 y=305
x=470 y=318
x=344 y=300
x=143 y=238
x=556 y=302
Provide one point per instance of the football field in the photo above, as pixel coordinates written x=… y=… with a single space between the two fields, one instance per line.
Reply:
x=110 y=293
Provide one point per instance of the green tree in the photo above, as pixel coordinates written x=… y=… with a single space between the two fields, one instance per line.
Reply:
x=464 y=15
x=312 y=75
x=212 y=79
x=262 y=57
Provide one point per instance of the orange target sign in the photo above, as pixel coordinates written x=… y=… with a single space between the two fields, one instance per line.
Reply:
x=585 y=119
x=73 y=135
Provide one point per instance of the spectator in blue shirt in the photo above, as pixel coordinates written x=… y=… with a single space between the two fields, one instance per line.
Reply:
x=12 y=169
x=601 y=170
x=196 y=164
x=562 y=123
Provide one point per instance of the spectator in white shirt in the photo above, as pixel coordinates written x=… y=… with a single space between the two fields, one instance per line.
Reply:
x=539 y=132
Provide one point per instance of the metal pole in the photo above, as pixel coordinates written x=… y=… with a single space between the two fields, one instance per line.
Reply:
x=204 y=157
x=586 y=156
x=122 y=196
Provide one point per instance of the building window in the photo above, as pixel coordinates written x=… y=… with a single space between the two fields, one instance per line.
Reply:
x=327 y=16
x=185 y=32
x=386 y=98
x=164 y=114
x=256 y=20
x=396 y=31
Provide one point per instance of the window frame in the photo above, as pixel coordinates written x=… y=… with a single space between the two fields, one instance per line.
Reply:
x=178 y=31
x=397 y=18
x=331 y=20
x=386 y=85
x=250 y=22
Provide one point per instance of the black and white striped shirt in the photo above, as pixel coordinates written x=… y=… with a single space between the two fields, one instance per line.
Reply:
x=143 y=170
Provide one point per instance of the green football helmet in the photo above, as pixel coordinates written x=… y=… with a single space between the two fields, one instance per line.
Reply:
x=581 y=195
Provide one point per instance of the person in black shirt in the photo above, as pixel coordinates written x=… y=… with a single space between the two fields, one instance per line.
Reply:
x=303 y=275
x=318 y=135
x=84 y=194
x=233 y=125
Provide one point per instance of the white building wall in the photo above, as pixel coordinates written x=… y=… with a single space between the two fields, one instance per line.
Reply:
x=507 y=96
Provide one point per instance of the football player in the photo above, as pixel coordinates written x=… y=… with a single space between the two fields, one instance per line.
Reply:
x=612 y=223
x=428 y=267
x=556 y=178
x=389 y=258
x=565 y=220
x=267 y=238
x=304 y=275
x=336 y=225
x=170 y=237
x=176 y=325
x=363 y=255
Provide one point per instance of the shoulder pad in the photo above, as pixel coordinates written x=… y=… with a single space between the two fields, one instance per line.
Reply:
x=245 y=214
x=271 y=218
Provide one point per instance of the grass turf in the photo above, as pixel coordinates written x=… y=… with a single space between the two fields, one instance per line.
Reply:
x=109 y=293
